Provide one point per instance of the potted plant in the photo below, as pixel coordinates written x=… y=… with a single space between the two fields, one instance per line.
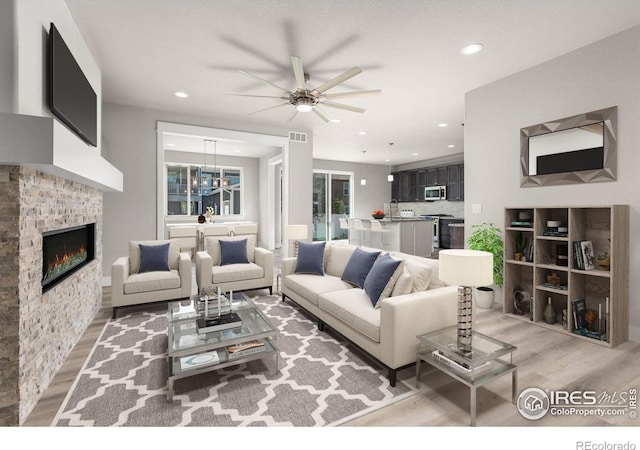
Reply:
x=488 y=238
x=521 y=243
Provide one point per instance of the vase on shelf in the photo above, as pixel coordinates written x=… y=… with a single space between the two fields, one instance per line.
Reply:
x=549 y=312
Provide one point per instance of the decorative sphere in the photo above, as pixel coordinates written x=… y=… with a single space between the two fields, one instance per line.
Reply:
x=591 y=316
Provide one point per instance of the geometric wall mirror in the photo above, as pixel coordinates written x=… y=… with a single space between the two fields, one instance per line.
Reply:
x=577 y=149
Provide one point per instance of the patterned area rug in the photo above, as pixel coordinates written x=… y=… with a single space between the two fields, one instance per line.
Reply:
x=320 y=380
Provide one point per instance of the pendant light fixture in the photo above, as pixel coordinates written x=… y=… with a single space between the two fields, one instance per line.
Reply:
x=390 y=176
x=203 y=179
x=363 y=180
x=215 y=182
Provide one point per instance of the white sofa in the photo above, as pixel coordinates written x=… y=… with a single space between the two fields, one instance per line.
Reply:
x=256 y=274
x=128 y=287
x=387 y=333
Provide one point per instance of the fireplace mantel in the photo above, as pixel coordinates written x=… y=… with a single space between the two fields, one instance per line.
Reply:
x=44 y=144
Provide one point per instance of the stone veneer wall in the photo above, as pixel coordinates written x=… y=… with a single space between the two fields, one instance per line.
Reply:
x=38 y=331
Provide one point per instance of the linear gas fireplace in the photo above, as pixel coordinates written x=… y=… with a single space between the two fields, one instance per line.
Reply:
x=66 y=251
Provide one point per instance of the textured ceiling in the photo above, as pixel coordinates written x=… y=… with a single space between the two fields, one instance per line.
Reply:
x=410 y=49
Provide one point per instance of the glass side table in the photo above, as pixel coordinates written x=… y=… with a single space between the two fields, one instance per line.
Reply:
x=488 y=359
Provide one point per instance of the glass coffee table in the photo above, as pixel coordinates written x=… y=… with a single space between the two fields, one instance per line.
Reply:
x=192 y=353
x=486 y=361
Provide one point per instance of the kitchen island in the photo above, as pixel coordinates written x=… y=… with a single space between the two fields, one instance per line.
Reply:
x=411 y=235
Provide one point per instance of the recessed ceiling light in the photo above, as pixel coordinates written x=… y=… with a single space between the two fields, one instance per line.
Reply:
x=471 y=49
x=237 y=151
x=362 y=132
x=451 y=146
x=414 y=154
x=442 y=125
x=171 y=145
x=181 y=94
x=335 y=120
x=387 y=160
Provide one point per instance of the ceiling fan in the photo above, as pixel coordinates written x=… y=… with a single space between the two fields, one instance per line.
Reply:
x=305 y=99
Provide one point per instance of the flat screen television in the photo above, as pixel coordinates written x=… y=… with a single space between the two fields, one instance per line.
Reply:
x=71 y=97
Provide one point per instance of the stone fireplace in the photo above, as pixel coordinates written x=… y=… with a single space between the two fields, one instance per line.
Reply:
x=41 y=323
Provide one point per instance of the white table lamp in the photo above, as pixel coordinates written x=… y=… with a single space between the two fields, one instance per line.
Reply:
x=295 y=233
x=467 y=269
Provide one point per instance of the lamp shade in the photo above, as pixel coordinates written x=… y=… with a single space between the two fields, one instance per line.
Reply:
x=466 y=267
x=296 y=231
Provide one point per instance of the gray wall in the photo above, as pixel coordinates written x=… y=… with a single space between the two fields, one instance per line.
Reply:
x=129 y=138
x=7 y=63
x=600 y=75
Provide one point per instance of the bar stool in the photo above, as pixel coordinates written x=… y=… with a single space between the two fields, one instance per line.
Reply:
x=378 y=230
x=344 y=225
x=361 y=232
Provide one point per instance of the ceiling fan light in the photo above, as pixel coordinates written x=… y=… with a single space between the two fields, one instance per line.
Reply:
x=303 y=107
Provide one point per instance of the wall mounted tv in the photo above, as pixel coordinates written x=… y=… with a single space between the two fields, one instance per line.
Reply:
x=71 y=97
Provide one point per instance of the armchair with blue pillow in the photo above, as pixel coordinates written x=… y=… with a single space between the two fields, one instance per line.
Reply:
x=234 y=263
x=153 y=271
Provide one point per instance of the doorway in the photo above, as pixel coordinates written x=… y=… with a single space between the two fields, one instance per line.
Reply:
x=332 y=200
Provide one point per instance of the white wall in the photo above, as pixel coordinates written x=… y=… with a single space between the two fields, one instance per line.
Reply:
x=604 y=74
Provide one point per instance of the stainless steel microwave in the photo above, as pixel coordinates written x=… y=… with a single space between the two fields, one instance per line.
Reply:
x=432 y=193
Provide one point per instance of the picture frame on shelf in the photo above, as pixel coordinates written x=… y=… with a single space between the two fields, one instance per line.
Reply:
x=588 y=255
x=579 y=310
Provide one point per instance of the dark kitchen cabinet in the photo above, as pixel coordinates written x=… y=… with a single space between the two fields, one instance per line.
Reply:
x=395 y=186
x=437 y=176
x=404 y=187
x=455 y=182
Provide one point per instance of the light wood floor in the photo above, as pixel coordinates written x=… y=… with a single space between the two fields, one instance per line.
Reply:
x=545 y=359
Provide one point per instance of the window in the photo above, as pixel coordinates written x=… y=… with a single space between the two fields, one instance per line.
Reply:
x=191 y=189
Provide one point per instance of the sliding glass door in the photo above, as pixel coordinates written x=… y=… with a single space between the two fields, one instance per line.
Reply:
x=332 y=200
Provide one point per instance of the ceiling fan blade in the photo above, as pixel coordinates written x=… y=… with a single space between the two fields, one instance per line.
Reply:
x=260 y=96
x=298 y=72
x=345 y=107
x=337 y=80
x=321 y=114
x=353 y=94
x=256 y=77
x=270 y=107
x=293 y=116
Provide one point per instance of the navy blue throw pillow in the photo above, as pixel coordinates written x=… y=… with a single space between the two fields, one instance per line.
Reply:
x=233 y=252
x=380 y=277
x=359 y=266
x=310 y=258
x=154 y=258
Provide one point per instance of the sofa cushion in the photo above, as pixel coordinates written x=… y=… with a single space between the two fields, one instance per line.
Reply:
x=233 y=252
x=358 y=267
x=154 y=258
x=382 y=277
x=434 y=280
x=420 y=275
x=311 y=286
x=404 y=284
x=152 y=281
x=353 y=307
x=212 y=246
x=337 y=256
x=310 y=258
x=134 y=254
x=236 y=272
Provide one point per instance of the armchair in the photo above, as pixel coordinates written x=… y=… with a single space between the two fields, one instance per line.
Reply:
x=132 y=286
x=255 y=273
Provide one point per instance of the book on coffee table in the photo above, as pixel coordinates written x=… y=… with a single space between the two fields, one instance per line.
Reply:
x=224 y=322
x=244 y=349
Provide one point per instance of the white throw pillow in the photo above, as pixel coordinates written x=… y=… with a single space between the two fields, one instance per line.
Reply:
x=420 y=275
x=403 y=285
